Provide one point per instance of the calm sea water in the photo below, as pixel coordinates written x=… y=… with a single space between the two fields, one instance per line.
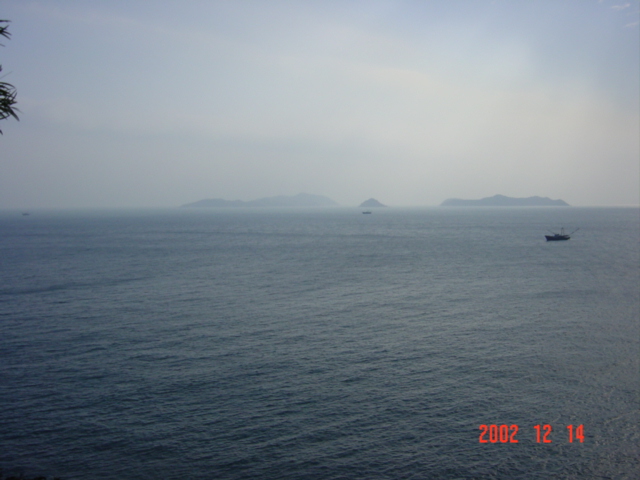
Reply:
x=319 y=344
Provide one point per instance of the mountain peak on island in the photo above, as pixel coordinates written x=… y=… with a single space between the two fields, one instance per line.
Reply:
x=503 y=201
x=300 y=200
x=371 y=203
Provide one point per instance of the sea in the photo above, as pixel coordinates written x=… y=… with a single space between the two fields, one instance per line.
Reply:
x=248 y=343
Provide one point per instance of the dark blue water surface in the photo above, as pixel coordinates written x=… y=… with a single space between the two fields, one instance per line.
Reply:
x=319 y=344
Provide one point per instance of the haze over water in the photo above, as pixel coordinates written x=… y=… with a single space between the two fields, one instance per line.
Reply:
x=163 y=103
x=318 y=343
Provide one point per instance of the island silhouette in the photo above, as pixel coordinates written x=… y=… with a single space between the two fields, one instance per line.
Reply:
x=300 y=200
x=371 y=203
x=503 y=201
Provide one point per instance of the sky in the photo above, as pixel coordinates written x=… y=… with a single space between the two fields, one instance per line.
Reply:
x=158 y=103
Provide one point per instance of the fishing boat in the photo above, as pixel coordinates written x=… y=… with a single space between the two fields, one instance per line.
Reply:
x=559 y=236
x=367 y=212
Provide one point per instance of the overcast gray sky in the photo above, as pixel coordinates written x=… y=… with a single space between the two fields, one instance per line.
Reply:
x=159 y=103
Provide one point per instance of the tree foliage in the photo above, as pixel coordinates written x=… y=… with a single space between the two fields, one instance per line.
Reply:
x=7 y=91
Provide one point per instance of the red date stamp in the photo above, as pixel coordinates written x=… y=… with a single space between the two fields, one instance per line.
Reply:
x=507 y=433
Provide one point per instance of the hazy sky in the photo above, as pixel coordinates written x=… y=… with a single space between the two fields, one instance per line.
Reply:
x=159 y=103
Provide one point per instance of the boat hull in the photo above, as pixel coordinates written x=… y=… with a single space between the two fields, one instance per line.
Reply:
x=556 y=238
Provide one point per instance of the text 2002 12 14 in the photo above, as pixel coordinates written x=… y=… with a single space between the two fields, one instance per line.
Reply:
x=508 y=433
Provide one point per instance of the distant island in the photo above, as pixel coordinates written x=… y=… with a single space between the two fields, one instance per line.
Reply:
x=371 y=203
x=502 y=201
x=300 y=200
